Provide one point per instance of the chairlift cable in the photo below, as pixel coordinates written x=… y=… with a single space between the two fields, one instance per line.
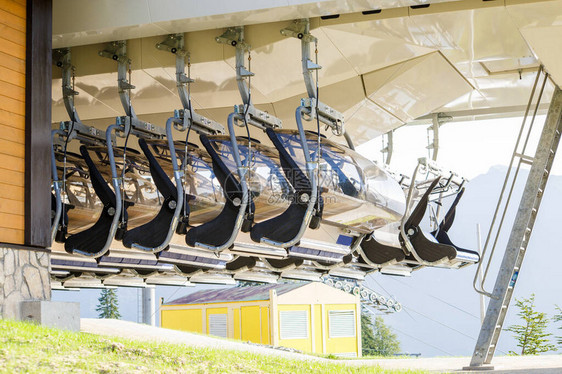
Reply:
x=413 y=337
x=431 y=319
x=437 y=298
x=421 y=341
x=440 y=323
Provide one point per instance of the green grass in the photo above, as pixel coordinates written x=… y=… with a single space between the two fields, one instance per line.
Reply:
x=26 y=347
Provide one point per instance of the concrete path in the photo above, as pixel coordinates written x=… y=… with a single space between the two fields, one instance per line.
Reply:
x=508 y=364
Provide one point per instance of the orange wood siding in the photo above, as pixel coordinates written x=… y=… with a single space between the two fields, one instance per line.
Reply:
x=12 y=120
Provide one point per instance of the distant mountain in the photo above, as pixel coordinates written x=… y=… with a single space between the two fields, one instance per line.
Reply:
x=441 y=315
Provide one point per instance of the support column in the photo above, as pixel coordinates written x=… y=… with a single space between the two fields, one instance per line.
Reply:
x=148 y=305
x=24 y=275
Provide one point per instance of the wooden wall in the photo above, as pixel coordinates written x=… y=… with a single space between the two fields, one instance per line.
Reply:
x=12 y=120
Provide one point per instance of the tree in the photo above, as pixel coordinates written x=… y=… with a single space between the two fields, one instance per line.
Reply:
x=108 y=305
x=531 y=336
x=377 y=339
x=367 y=335
x=558 y=318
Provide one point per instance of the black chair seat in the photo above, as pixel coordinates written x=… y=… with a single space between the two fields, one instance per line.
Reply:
x=430 y=250
x=93 y=239
x=283 y=264
x=241 y=262
x=220 y=229
x=153 y=233
x=284 y=227
x=427 y=248
x=379 y=254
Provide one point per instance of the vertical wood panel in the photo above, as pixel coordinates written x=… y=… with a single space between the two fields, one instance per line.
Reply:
x=38 y=124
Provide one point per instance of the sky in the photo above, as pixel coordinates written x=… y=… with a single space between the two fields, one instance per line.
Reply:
x=467 y=148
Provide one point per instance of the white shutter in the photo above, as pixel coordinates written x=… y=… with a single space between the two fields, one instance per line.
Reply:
x=217 y=325
x=294 y=324
x=342 y=323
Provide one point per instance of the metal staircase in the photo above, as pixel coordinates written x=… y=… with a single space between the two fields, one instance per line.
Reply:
x=540 y=166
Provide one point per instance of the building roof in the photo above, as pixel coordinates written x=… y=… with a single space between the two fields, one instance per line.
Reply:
x=250 y=293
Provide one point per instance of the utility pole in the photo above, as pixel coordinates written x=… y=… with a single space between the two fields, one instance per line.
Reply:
x=480 y=275
x=148 y=306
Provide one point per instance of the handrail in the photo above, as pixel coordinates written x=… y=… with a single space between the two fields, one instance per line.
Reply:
x=56 y=186
x=480 y=287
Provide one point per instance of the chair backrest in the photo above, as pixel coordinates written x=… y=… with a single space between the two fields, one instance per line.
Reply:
x=229 y=183
x=159 y=176
x=102 y=189
x=447 y=222
x=419 y=211
x=292 y=171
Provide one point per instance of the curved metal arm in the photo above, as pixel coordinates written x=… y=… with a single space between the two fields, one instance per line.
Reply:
x=56 y=185
x=311 y=169
x=242 y=170
x=307 y=65
x=179 y=189
x=117 y=51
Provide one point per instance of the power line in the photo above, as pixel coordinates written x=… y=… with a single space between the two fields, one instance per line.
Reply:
x=431 y=319
x=419 y=340
x=440 y=323
x=436 y=298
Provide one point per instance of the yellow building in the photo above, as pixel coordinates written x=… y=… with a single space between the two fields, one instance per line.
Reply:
x=311 y=317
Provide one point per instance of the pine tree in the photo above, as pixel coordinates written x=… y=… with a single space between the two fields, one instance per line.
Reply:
x=377 y=339
x=558 y=318
x=531 y=336
x=367 y=335
x=108 y=305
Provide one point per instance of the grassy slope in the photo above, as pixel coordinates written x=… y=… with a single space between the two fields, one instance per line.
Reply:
x=26 y=347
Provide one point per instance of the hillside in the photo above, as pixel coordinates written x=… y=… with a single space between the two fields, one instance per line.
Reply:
x=25 y=347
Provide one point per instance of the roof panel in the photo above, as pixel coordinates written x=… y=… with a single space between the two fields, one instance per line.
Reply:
x=234 y=294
